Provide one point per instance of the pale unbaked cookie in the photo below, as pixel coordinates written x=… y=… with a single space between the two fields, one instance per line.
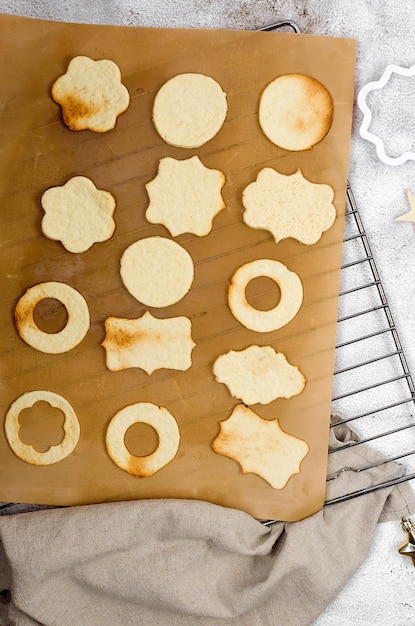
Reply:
x=289 y=206
x=157 y=271
x=288 y=306
x=295 y=111
x=258 y=374
x=26 y=452
x=163 y=423
x=185 y=196
x=189 y=110
x=148 y=343
x=260 y=446
x=76 y=327
x=78 y=214
x=91 y=94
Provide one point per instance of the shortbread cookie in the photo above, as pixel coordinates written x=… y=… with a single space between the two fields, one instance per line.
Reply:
x=289 y=206
x=157 y=271
x=189 y=110
x=158 y=418
x=295 y=111
x=260 y=446
x=258 y=374
x=288 y=306
x=91 y=94
x=148 y=343
x=25 y=451
x=78 y=214
x=76 y=327
x=185 y=196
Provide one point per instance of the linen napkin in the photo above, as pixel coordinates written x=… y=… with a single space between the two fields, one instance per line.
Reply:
x=173 y=562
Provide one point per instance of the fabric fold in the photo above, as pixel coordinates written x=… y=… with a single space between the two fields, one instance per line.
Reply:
x=174 y=562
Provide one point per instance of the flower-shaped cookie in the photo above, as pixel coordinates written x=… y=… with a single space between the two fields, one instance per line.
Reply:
x=185 y=196
x=367 y=114
x=289 y=206
x=91 y=94
x=78 y=214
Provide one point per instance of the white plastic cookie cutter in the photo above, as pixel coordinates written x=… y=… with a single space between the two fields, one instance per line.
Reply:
x=367 y=114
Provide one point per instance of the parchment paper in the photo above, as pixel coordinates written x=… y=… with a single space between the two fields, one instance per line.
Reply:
x=38 y=152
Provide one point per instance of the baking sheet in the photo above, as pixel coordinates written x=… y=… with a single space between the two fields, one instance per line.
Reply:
x=38 y=152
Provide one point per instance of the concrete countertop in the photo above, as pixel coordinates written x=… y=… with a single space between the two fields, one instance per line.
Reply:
x=381 y=592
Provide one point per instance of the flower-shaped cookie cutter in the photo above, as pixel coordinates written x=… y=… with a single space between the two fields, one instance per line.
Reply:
x=367 y=114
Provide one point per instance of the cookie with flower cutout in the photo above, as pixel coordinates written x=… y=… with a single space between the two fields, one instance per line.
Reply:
x=260 y=446
x=148 y=343
x=78 y=214
x=185 y=196
x=91 y=94
x=289 y=206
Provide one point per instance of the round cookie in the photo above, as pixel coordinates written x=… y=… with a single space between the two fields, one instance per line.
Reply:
x=157 y=271
x=295 y=111
x=189 y=110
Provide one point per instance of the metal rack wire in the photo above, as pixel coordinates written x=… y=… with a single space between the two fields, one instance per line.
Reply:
x=369 y=351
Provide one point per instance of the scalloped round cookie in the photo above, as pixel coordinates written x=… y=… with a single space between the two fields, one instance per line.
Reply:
x=189 y=110
x=78 y=214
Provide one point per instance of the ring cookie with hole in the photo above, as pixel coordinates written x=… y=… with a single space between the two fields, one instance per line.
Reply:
x=52 y=343
x=287 y=308
x=26 y=452
x=158 y=418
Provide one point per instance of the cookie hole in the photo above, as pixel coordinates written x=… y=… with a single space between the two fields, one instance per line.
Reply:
x=41 y=426
x=263 y=293
x=50 y=315
x=141 y=439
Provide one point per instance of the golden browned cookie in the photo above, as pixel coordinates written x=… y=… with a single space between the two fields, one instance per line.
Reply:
x=75 y=329
x=158 y=418
x=260 y=446
x=148 y=343
x=91 y=94
x=295 y=111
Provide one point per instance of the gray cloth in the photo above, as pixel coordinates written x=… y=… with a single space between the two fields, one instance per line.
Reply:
x=171 y=562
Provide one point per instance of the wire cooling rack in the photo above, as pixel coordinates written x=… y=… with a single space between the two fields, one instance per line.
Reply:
x=373 y=389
